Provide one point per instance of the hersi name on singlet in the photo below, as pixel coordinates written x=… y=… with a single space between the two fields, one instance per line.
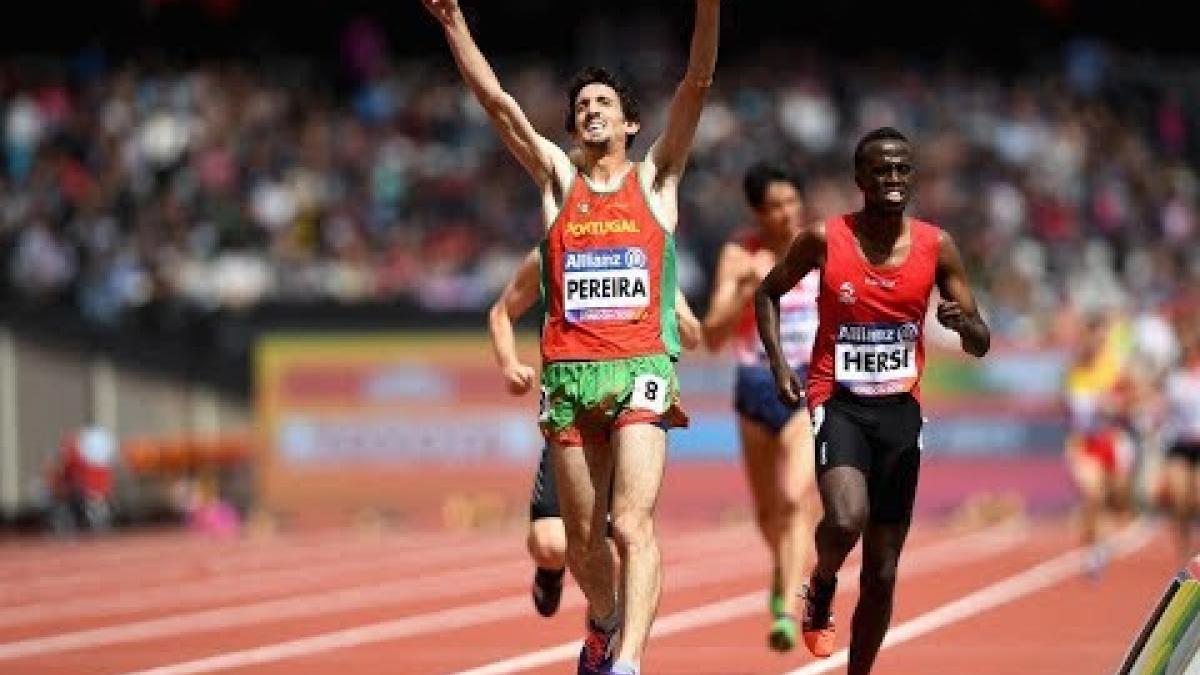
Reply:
x=876 y=353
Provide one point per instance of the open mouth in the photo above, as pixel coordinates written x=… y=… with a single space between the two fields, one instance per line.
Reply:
x=894 y=195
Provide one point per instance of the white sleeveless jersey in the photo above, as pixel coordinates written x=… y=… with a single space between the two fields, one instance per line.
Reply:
x=1183 y=405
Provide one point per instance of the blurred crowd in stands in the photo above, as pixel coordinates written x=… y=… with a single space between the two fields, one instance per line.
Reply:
x=1071 y=188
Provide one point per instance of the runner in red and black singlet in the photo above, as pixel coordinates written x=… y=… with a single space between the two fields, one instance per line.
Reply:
x=878 y=268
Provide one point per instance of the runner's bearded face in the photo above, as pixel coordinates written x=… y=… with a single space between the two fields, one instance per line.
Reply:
x=886 y=175
x=599 y=119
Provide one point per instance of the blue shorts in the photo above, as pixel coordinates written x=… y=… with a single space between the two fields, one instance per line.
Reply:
x=754 y=397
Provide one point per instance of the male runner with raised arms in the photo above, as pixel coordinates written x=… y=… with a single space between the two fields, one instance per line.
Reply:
x=547 y=542
x=878 y=268
x=776 y=439
x=608 y=382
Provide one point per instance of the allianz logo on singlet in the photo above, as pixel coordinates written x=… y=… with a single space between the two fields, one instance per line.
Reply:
x=876 y=358
x=605 y=284
x=631 y=257
x=863 y=333
x=592 y=228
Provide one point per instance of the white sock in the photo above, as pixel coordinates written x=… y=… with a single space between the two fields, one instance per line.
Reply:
x=625 y=668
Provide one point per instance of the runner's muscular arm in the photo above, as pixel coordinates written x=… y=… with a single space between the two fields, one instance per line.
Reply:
x=958 y=310
x=540 y=157
x=668 y=154
x=733 y=288
x=518 y=296
x=806 y=253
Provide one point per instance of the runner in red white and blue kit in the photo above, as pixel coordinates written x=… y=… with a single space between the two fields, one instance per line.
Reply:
x=878 y=268
x=776 y=439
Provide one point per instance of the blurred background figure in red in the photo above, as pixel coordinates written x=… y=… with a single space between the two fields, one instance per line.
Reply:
x=81 y=481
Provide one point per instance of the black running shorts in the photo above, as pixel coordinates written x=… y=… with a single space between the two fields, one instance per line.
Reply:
x=1188 y=451
x=880 y=436
x=543 y=502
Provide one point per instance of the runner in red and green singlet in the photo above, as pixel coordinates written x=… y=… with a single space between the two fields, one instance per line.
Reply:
x=547 y=540
x=609 y=335
x=608 y=383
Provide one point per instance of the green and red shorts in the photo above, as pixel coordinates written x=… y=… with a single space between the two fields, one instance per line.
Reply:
x=584 y=401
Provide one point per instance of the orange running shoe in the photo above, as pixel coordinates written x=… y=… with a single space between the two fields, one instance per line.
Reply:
x=820 y=632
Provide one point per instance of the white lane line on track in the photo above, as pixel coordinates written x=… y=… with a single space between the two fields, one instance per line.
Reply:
x=1032 y=580
x=449 y=584
x=707 y=571
x=86 y=586
x=87 y=579
x=227 y=588
x=713 y=570
x=122 y=552
x=264 y=584
x=928 y=558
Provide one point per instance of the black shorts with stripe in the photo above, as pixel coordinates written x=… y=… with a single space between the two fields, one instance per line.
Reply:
x=881 y=437
x=543 y=502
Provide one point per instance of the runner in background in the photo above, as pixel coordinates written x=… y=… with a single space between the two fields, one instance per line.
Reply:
x=776 y=439
x=1182 y=469
x=1100 y=451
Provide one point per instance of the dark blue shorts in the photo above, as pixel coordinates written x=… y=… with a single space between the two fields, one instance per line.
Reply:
x=754 y=397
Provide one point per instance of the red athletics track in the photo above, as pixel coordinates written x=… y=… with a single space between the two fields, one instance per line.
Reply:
x=1002 y=599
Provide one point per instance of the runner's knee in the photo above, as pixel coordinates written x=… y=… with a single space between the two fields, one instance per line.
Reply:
x=633 y=528
x=878 y=577
x=547 y=545
x=845 y=523
x=793 y=502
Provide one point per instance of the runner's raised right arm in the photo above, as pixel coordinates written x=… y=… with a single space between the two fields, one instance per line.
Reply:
x=541 y=158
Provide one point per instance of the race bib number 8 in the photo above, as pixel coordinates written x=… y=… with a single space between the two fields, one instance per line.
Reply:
x=876 y=359
x=605 y=284
x=649 y=393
